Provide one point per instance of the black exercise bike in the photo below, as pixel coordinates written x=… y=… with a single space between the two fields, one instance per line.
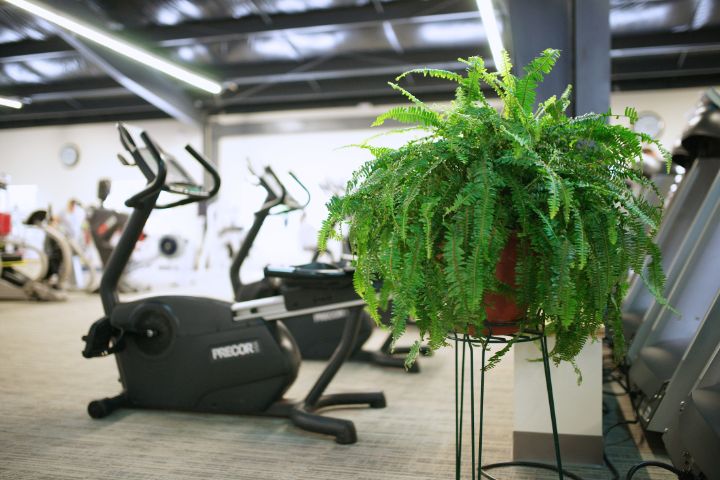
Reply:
x=205 y=355
x=317 y=334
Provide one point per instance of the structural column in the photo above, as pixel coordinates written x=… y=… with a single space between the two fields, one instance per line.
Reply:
x=581 y=30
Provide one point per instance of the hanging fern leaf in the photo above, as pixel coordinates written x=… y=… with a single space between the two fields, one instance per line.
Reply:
x=422 y=116
x=534 y=73
x=431 y=218
x=433 y=73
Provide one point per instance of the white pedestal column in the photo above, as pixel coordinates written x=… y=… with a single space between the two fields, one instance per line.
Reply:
x=578 y=407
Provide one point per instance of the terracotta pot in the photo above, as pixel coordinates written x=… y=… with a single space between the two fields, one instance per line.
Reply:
x=503 y=314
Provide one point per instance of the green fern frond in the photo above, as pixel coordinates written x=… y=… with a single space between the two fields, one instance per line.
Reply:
x=412 y=114
x=534 y=74
x=433 y=73
x=431 y=219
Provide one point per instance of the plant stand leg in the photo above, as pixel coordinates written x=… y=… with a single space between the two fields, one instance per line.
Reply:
x=459 y=404
x=472 y=412
x=480 y=473
x=551 y=401
x=460 y=360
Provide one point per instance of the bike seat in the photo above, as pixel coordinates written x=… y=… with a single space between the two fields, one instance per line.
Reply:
x=314 y=275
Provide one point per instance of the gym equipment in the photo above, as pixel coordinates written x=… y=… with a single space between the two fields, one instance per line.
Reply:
x=204 y=355
x=346 y=256
x=692 y=439
x=57 y=250
x=317 y=335
x=672 y=347
x=68 y=267
x=17 y=282
x=653 y=168
x=18 y=279
x=104 y=223
x=700 y=157
x=171 y=246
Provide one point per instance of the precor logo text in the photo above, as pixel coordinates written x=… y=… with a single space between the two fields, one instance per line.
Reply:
x=235 y=350
x=329 y=316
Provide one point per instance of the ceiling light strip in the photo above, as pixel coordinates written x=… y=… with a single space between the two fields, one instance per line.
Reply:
x=9 y=102
x=492 y=32
x=119 y=46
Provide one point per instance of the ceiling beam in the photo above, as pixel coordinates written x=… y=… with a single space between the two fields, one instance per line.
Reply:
x=355 y=65
x=75 y=85
x=330 y=19
x=349 y=65
x=696 y=80
x=118 y=109
x=62 y=112
x=151 y=85
x=350 y=88
x=667 y=66
x=212 y=31
x=360 y=66
x=666 y=39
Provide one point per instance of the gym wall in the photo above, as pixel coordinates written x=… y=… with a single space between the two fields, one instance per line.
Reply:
x=31 y=156
x=673 y=106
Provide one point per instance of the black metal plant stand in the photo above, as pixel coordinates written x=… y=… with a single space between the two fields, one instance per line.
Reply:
x=469 y=343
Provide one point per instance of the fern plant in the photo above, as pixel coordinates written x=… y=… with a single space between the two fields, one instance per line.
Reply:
x=431 y=218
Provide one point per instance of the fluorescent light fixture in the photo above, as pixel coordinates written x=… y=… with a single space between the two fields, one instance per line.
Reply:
x=119 y=46
x=9 y=102
x=462 y=32
x=492 y=32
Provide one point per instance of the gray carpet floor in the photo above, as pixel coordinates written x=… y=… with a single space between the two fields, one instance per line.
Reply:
x=45 y=432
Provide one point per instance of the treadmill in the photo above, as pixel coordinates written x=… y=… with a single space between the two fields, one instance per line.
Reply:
x=695 y=155
x=692 y=439
x=673 y=344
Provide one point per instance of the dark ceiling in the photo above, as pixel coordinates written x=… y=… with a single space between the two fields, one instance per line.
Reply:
x=281 y=54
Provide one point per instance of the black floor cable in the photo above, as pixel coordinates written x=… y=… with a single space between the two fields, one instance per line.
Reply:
x=618 y=424
x=611 y=466
x=606 y=459
x=635 y=468
x=665 y=466
x=612 y=378
x=609 y=377
x=538 y=465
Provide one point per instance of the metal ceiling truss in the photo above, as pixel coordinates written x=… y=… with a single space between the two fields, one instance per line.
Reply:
x=216 y=31
x=333 y=77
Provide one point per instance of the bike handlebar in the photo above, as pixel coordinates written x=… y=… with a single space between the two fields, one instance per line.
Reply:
x=277 y=192
x=157 y=177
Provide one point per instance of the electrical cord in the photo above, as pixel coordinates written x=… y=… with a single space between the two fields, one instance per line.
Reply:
x=626 y=391
x=538 y=465
x=486 y=475
x=618 y=424
x=611 y=378
x=665 y=466
x=552 y=468
x=613 y=471
x=629 y=437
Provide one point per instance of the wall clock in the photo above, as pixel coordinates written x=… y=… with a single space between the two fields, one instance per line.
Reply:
x=650 y=123
x=69 y=155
